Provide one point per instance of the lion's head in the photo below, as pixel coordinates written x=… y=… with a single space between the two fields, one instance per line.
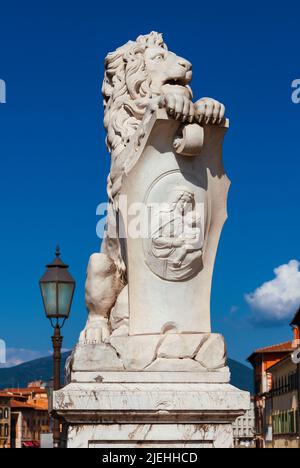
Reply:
x=135 y=73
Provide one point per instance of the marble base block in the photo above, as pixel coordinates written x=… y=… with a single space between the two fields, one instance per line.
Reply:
x=164 y=415
x=177 y=353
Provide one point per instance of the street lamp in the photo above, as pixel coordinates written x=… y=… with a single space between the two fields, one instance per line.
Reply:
x=57 y=288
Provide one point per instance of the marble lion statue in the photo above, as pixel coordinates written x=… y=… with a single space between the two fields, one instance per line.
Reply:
x=140 y=76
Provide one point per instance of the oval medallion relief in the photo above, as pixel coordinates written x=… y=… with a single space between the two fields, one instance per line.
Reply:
x=177 y=211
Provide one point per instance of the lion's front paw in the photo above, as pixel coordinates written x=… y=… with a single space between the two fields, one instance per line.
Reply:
x=209 y=111
x=95 y=332
x=180 y=107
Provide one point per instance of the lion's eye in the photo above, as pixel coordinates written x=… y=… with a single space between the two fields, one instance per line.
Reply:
x=158 y=57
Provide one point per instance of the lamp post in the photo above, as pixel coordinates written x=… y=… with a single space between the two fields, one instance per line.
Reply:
x=57 y=289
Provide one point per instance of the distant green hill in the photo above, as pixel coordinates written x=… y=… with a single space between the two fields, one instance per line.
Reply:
x=41 y=369
x=242 y=376
x=20 y=376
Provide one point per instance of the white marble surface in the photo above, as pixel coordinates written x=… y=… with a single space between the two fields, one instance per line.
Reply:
x=133 y=397
x=103 y=285
x=160 y=436
x=157 y=306
x=136 y=352
x=200 y=352
x=181 y=346
x=93 y=357
x=212 y=354
x=222 y=376
x=174 y=415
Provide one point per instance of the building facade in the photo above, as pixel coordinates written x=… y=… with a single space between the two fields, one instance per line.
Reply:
x=29 y=422
x=284 y=406
x=5 y=420
x=244 y=429
x=263 y=360
x=24 y=417
x=277 y=393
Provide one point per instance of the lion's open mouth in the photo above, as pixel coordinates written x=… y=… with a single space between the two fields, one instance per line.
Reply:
x=177 y=81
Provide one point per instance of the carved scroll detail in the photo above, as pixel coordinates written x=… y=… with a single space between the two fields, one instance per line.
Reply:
x=190 y=141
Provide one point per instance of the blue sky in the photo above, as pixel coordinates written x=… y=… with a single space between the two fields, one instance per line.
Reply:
x=54 y=162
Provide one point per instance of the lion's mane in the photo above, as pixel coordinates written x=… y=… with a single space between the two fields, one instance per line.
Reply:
x=127 y=90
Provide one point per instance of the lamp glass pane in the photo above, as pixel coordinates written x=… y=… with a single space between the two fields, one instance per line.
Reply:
x=49 y=296
x=65 y=294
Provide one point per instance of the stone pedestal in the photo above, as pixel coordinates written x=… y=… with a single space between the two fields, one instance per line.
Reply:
x=150 y=415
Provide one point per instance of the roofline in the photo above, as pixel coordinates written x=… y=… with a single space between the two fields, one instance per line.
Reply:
x=19 y=405
x=293 y=322
x=15 y=391
x=285 y=359
x=268 y=352
x=273 y=349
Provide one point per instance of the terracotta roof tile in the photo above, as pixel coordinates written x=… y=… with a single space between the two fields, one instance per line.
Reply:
x=5 y=395
x=20 y=404
x=286 y=347
x=26 y=391
x=278 y=348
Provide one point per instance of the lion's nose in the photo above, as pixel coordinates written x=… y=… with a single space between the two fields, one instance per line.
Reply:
x=185 y=64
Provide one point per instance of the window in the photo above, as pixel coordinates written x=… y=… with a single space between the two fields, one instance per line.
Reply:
x=6 y=413
x=285 y=384
x=285 y=422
